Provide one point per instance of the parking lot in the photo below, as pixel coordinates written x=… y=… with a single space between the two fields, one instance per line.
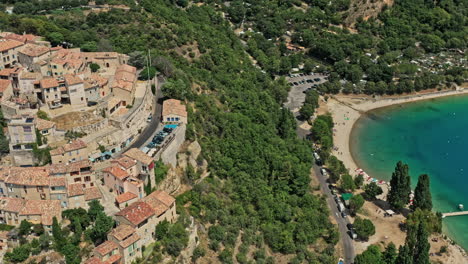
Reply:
x=300 y=83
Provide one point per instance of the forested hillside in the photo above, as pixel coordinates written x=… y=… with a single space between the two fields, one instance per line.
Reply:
x=259 y=183
x=395 y=52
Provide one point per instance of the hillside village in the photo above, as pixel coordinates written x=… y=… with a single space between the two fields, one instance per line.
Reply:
x=71 y=119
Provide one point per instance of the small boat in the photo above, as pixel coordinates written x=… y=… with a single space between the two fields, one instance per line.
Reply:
x=460 y=206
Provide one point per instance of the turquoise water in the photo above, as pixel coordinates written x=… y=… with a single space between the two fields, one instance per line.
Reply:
x=431 y=137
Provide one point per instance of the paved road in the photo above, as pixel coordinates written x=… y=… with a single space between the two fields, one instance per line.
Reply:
x=295 y=100
x=149 y=131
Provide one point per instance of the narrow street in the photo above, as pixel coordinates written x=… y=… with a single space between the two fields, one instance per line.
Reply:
x=149 y=131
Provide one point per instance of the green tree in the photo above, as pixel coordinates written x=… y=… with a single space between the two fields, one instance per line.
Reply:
x=43 y=115
x=55 y=38
x=19 y=254
x=400 y=185
x=102 y=226
x=390 y=254
x=371 y=255
x=94 y=67
x=24 y=228
x=364 y=228
x=336 y=168
x=421 y=251
x=162 y=229
x=147 y=73
x=372 y=190
x=347 y=182
x=355 y=203
x=358 y=181
x=57 y=233
x=95 y=208
x=78 y=231
x=422 y=194
x=404 y=255
x=71 y=253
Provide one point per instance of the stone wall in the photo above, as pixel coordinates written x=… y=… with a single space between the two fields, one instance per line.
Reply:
x=168 y=153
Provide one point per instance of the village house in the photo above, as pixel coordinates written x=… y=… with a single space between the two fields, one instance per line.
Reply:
x=120 y=181
x=124 y=84
x=128 y=242
x=95 y=88
x=107 y=252
x=50 y=93
x=65 y=61
x=71 y=152
x=75 y=91
x=15 y=210
x=147 y=213
x=144 y=164
x=9 y=52
x=31 y=183
x=174 y=112
x=79 y=197
x=46 y=128
x=125 y=199
x=6 y=90
x=30 y=54
x=24 y=38
x=80 y=172
x=12 y=74
x=22 y=136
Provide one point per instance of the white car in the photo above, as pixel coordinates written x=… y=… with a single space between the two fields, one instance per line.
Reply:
x=324 y=172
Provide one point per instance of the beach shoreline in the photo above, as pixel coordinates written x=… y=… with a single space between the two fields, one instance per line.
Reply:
x=348 y=109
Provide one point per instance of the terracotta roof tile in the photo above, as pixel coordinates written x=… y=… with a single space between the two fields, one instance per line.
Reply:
x=42 y=124
x=75 y=189
x=112 y=259
x=122 y=231
x=124 y=162
x=130 y=240
x=117 y=172
x=74 y=145
x=23 y=38
x=136 y=212
x=49 y=83
x=125 y=197
x=4 y=84
x=92 y=193
x=33 y=50
x=126 y=68
x=10 y=71
x=11 y=204
x=106 y=247
x=7 y=44
x=32 y=176
x=138 y=155
x=71 y=79
x=57 y=181
x=93 y=260
x=159 y=201
x=174 y=107
x=46 y=208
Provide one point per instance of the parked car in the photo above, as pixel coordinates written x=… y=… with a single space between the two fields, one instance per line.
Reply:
x=350 y=226
x=344 y=214
x=168 y=129
x=295 y=83
x=352 y=234
x=317 y=79
x=324 y=172
x=309 y=81
x=150 y=117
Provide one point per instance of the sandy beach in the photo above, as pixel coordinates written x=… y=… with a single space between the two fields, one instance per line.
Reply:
x=346 y=110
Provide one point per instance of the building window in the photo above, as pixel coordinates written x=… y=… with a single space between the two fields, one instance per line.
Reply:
x=27 y=129
x=87 y=179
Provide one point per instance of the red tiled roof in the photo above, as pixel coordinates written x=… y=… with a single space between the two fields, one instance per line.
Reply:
x=174 y=107
x=57 y=181
x=7 y=44
x=136 y=212
x=93 y=260
x=138 y=155
x=124 y=197
x=74 y=145
x=44 y=124
x=46 y=208
x=32 y=176
x=49 y=83
x=23 y=38
x=122 y=231
x=126 y=68
x=33 y=50
x=10 y=71
x=71 y=79
x=92 y=193
x=159 y=201
x=117 y=172
x=130 y=240
x=75 y=189
x=4 y=84
x=125 y=162
x=106 y=247
x=11 y=204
